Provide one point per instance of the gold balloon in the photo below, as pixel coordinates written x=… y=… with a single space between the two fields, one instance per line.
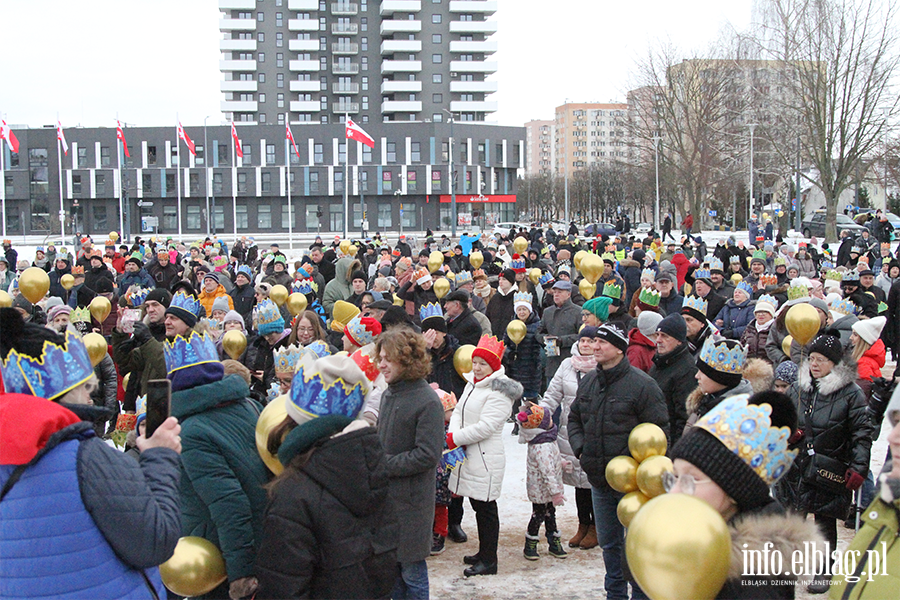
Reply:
x=100 y=308
x=516 y=330
x=802 y=323
x=451 y=275
x=196 y=567
x=234 y=343
x=592 y=267
x=441 y=287
x=476 y=259
x=621 y=474
x=462 y=359
x=646 y=440
x=579 y=256
x=5 y=299
x=650 y=474
x=125 y=381
x=629 y=506
x=297 y=303
x=353 y=249
x=96 y=347
x=33 y=284
x=270 y=417
x=671 y=532
x=587 y=289
x=786 y=345
x=278 y=294
x=534 y=275
x=67 y=281
x=113 y=236
x=520 y=245
x=343 y=312
x=435 y=261
x=398 y=301
x=345 y=246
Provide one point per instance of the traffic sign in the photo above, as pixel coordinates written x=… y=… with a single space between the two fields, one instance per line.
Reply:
x=143 y=204
x=712 y=213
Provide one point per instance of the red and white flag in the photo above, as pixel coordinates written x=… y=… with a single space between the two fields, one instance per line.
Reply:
x=120 y=135
x=355 y=132
x=184 y=136
x=7 y=134
x=290 y=136
x=62 y=138
x=237 y=142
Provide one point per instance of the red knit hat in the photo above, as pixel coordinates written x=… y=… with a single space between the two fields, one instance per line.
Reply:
x=490 y=349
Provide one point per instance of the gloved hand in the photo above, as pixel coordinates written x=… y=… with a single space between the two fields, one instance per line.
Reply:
x=558 y=499
x=450 y=444
x=568 y=466
x=796 y=436
x=142 y=334
x=854 y=480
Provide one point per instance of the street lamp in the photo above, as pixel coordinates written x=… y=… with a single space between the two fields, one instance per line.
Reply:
x=209 y=216
x=566 y=156
x=452 y=186
x=656 y=140
x=752 y=127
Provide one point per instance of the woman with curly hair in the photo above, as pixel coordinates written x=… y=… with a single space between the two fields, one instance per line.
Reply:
x=411 y=429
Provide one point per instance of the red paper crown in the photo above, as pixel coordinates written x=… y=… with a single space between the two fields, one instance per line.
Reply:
x=77 y=270
x=364 y=362
x=491 y=344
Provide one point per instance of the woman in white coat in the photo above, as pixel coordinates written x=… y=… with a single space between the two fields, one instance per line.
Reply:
x=477 y=425
x=561 y=394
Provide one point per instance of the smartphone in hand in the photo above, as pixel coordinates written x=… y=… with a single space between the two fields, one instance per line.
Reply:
x=159 y=403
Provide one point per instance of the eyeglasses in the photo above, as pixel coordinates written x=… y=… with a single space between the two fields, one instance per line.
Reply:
x=818 y=360
x=305 y=329
x=688 y=482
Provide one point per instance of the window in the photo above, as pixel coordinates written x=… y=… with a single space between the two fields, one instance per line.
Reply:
x=338 y=181
x=218 y=187
x=219 y=218
x=280 y=118
x=384 y=215
x=386 y=181
x=363 y=181
x=242 y=221
x=146 y=182
x=223 y=154
x=279 y=59
x=468 y=181
x=76 y=184
x=435 y=38
x=262 y=57
x=364 y=44
x=336 y=217
x=314 y=183
x=260 y=16
x=99 y=214
x=434 y=19
x=82 y=156
x=193 y=217
x=392 y=152
x=264 y=215
x=367 y=154
x=445 y=152
x=318 y=154
x=200 y=155
x=261 y=37
x=170 y=218
x=342 y=152
x=436 y=59
x=270 y=154
x=364 y=24
x=437 y=98
x=436 y=180
x=415 y=152
x=170 y=183
x=101 y=184
x=322 y=24
x=466 y=57
x=267 y=182
x=242 y=182
x=364 y=64
x=365 y=103
x=248 y=153
x=262 y=77
x=194 y=183
x=279 y=21
x=104 y=156
x=410 y=181
x=436 y=78
x=465 y=17
x=262 y=98
x=463 y=151
x=437 y=117
x=312 y=217
x=482 y=154
x=280 y=100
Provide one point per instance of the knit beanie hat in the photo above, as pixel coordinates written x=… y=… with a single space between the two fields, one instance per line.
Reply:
x=268 y=318
x=786 y=372
x=54 y=312
x=736 y=446
x=161 y=295
x=610 y=332
x=509 y=275
x=828 y=346
x=723 y=361
x=869 y=329
x=599 y=307
x=648 y=321
x=490 y=350
x=784 y=412
x=588 y=331
x=192 y=361
x=220 y=303
x=673 y=325
x=358 y=274
x=233 y=316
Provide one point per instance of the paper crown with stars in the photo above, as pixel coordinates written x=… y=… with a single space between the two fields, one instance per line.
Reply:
x=302 y=286
x=745 y=287
x=137 y=295
x=315 y=397
x=286 y=359
x=195 y=349
x=716 y=265
x=695 y=307
x=59 y=369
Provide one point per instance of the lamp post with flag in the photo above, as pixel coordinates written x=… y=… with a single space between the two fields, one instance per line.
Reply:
x=124 y=208
x=356 y=133
x=6 y=134
x=182 y=136
x=289 y=137
x=61 y=146
x=237 y=152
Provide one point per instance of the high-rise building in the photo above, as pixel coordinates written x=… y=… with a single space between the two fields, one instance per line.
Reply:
x=589 y=133
x=393 y=60
x=539 y=148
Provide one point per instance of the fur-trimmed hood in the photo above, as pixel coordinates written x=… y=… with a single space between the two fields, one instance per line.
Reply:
x=696 y=398
x=786 y=531
x=629 y=262
x=510 y=388
x=843 y=374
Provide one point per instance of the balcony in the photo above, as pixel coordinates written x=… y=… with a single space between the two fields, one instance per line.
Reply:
x=238 y=106
x=237 y=45
x=486 y=27
x=472 y=106
x=389 y=7
x=346 y=107
x=473 y=66
x=345 y=48
x=407 y=46
x=344 y=88
x=401 y=66
x=473 y=6
x=305 y=106
x=305 y=86
x=303 y=4
x=345 y=69
x=483 y=87
x=303 y=45
x=389 y=27
x=238 y=86
x=486 y=46
x=391 y=87
x=394 y=106
x=344 y=8
x=237 y=65
x=237 y=24
x=344 y=28
x=303 y=25
x=304 y=66
x=237 y=4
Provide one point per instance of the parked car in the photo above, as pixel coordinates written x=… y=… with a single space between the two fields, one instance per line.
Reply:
x=600 y=229
x=505 y=227
x=642 y=228
x=815 y=226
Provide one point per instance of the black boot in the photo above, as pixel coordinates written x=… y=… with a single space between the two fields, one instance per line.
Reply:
x=556 y=547
x=481 y=568
x=472 y=559
x=456 y=534
x=437 y=544
x=531 y=544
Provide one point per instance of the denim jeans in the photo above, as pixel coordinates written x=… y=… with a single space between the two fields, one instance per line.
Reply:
x=611 y=536
x=413 y=581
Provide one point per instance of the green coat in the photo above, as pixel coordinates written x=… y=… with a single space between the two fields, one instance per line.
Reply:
x=222 y=495
x=146 y=359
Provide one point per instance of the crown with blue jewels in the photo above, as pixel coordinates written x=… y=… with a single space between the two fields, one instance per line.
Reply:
x=302 y=286
x=59 y=369
x=186 y=302
x=318 y=348
x=546 y=279
x=768 y=298
x=851 y=276
x=312 y=396
x=696 y=303
x=517 y=263
x=267 y=313
x=287 y=358
x=744 y=287
x=462 y=278
x=431 y=310
x=522 y=298
x=827 y=265
x=726 y=356
x=245 y=271
x=451 y=459
x=138 y=295
x=702 y=274
x=612 y=290
x=747 y=430
x=716 y=265
x=844 y=307
x=649 y=274
x=183 y=352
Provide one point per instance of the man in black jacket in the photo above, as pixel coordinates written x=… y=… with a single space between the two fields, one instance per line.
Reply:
x=461 y=324
x=673 y=370
x=610 y=402
x=562 y=321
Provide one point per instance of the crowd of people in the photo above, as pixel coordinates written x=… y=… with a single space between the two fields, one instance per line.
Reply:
x=398 y=365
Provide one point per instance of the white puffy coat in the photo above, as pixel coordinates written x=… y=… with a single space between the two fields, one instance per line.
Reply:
x=561 y=393
x=477 y=423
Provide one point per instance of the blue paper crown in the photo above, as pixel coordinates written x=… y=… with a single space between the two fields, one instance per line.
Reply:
x=747 y=431
x=286 y=358
x=267 y=313
x=745 y=287
x=56 y=371
x=194 y=350
x=768 y=298
x=827 y=265
x=844 y=307
x=314 y=397
x=302 y=286
x=462 y=278
x=138 y=296
x=546 y=278
x=716 y=265
x=702 y=274
x=522 y=298
x=727 y=356
x=451 y=459
x=358 y=332
x=696 y=303
x=650 y=273
x=319 y=348
x=186 y=302
x=246 y=271
x=517 y=264
x=851 y=275
x=431 y=310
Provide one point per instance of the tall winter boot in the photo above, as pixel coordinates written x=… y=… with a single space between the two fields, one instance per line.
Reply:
x=531 y=544
x=556 y=547
x=579 y=535
x=590 y=538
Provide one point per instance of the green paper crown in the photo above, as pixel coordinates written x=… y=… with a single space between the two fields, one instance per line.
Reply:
x=611 y=290
x=834 y=275
x=649 y=296
x=797 y=291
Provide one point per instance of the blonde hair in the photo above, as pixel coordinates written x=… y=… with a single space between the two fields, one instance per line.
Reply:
x=233 y=367
x=860 y=348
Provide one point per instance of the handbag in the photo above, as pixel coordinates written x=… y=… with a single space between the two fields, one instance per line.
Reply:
x=823 y=471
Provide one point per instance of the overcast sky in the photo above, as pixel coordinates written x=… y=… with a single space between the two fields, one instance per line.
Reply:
x=150 y=60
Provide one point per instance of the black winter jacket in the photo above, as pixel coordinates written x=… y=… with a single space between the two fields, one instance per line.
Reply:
x=500 y=312
x=608 y=405
x=443 y=373
x=465 y=328
x=674 y=374
x=244 y=298
x=523 y=360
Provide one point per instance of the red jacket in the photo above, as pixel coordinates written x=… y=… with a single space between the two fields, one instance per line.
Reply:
x=871 y=361
x=688 y=221
x=118 y=263
x=682 y=264
x=640 y=350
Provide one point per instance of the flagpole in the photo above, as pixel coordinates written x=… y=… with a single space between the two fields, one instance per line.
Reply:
x=234 y=158
x=178 y=174
x=121 y=184
x=62 y=210
x=3 y=147
x=287 y=167
x=347 y=214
